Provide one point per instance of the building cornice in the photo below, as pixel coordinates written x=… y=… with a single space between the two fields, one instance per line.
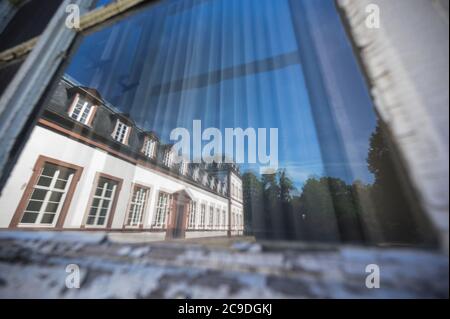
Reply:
x=128 y=156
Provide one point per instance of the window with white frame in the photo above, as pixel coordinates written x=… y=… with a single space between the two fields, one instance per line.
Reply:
x=102 y=202
x=202 y=216
x=192 y=215
x=233 y=219
x=217 y=219
x=121 y=132
x=168 y=158
x=48 y=195
x=241 y=220
x=184 y=167
x=162 y=210
x=224 y=218
x=195 y=174
x=81 y=111
x=238 y=220
x=137 y=206
x=211 y=217
x=219 y=187
x=149 y=148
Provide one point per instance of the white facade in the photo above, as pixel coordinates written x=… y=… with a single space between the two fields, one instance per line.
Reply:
x=236 y=206
x=44 y=142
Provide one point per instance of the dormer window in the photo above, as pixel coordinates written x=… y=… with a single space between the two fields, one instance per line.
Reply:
x=82 y=110
x=195 y=174
x=183 y=167
x=205 y=179
x=168 y=158
x=149 y=148
x=121 y=132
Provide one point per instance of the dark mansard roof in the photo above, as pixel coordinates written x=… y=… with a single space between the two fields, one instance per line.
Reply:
x=103 y=124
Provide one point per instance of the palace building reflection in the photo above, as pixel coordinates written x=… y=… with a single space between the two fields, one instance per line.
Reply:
x=88 y=166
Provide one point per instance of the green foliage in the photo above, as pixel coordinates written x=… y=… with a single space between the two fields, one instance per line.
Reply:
x=329 y=209
x=16 y=2
x=399 y=221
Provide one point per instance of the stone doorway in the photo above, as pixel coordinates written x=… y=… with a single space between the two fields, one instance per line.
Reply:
x=176 y=227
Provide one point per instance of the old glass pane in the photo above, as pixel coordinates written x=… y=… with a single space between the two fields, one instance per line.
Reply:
x=275 y=79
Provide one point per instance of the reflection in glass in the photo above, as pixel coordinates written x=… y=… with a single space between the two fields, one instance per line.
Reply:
x=282 y=64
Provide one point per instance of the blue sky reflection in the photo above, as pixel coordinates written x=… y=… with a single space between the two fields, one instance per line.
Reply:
x=233 y=63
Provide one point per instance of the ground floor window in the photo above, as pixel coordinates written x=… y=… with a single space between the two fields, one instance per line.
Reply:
x=224 y=218
x=47 y=195
x=217 y=219
x=137 y=206
x=192 y=215
x=211 y=217
x=102 y=202
x=162 y=210
x=202 y=216
x=233 y=219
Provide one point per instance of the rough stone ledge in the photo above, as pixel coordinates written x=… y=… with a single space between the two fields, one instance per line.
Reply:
x=33 y=265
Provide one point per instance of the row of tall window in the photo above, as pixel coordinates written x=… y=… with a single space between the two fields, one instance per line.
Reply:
x=206 y=216
x=54 y=183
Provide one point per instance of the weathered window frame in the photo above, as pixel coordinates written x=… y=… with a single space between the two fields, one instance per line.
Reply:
x=46 y=54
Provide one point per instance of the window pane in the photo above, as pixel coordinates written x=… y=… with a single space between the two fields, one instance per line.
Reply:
x=52 y=207
x=29 y=218
x=108 y=194
x=47 y=218
x=49 y=170
x=56 y=196
x=258 y=65
x=92 y=211
x=34 y=206
x=60 y=184
x=44 y=181
x=65 y=173
x=96 y=202
x=105 y=203
x=90 y=220
x=99 y=191
x=38 y=194
x=103 y=212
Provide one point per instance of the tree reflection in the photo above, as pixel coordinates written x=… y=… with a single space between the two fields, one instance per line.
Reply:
x=327 y=209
